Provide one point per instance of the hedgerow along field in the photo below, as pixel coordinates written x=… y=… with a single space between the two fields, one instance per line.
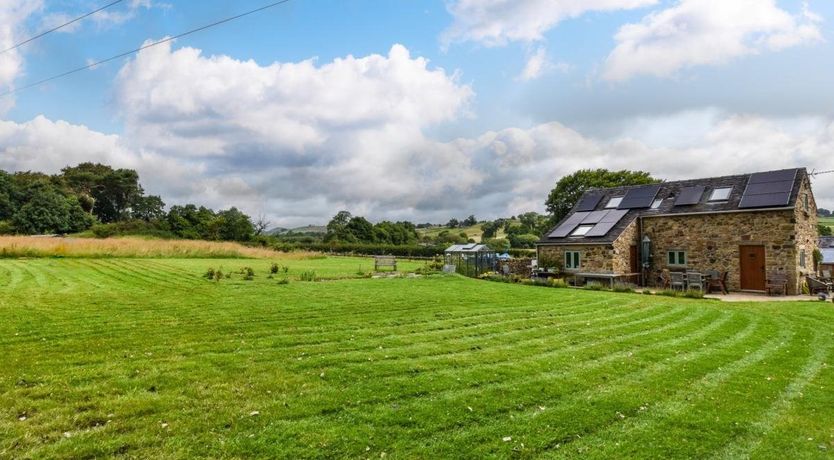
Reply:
x=145 y=358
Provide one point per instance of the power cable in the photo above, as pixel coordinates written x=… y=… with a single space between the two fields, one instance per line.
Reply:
x=47 y=32
x=141 y=48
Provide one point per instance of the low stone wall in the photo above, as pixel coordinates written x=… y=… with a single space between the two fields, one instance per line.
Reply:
x=520 y=267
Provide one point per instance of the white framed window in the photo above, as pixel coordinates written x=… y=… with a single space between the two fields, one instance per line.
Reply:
x=676 y=258
x=721 y=194
x=573 y=260
x=614 y=202
x=582 y=230
x=656 y=204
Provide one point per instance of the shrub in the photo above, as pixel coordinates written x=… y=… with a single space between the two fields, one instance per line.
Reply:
x=622 y=287
x=693 y=294
x=209 y=273
x=558 y=283
x=6 y=228
x=284 y=281
x=218 y=275
x=273 y=269
x=594 y=286
x=248 y=273
x=668 y=293
x=647 y=292
x=308 y=276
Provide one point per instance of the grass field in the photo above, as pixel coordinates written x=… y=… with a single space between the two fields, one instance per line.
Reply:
x=827 y=221
x=143 y=358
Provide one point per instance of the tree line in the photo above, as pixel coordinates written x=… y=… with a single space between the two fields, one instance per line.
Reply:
x=107 y=201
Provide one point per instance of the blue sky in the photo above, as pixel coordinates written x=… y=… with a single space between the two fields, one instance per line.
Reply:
x=482 y=107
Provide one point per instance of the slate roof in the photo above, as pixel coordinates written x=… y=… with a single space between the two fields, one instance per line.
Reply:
x=827 y=242
x=668 y=192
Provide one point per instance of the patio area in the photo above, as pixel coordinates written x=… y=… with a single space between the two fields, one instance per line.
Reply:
x=757 y=297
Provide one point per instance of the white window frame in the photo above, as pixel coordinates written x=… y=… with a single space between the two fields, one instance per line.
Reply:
x=614 y=202
x=713 y=198
x=673 y=258
x=656 y=203
x=573 y=260
x=581 y=230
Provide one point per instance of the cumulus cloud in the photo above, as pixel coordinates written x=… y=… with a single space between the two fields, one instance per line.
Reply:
x=706 y=32
x=13 y=13
x=300 y=141
x=500 y=173
x=497 y=22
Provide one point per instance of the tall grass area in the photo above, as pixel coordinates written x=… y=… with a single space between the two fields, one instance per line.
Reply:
x=146 y=358
x=24 y=246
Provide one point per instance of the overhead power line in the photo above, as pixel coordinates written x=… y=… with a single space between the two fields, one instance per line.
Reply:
x=47 y=32
x=143 y=47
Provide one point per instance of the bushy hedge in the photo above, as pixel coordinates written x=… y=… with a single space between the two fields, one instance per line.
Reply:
x=364 y=249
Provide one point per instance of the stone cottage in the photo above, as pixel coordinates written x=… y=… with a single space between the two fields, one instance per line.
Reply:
x=748 y=225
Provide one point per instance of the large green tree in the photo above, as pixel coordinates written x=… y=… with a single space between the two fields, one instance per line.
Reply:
x=50 y=211
x=570 y=188
x=113 y=192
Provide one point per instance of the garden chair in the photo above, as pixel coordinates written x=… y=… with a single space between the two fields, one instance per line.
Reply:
x=777 y=282
x=817 y=286
x=677 y=281
x=695 y=280
x=717 y=280
x=664 y=279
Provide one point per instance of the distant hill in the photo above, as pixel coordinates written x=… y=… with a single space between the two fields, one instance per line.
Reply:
x=317 y=229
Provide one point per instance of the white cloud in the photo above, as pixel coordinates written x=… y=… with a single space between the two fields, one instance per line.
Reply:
x=706 y=32
x=499 y=173
x=497 y=22
x=537 y=65
x=13 y=13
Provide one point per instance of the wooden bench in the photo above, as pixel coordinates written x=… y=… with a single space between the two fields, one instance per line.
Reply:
x=385 y=261
x=777 y=282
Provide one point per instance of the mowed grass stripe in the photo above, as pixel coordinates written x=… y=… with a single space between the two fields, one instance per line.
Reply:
x=758 y=428
x=643 y=427
x=422 y=408
x=621 y=393
x=200 y=359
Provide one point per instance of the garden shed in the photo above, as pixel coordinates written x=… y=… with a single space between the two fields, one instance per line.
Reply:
x=470 y=259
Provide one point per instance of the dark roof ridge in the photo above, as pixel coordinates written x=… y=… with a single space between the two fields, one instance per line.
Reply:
x=682 y=181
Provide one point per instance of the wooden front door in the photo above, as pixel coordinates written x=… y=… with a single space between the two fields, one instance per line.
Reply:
x=752 y=268
x=634 y=260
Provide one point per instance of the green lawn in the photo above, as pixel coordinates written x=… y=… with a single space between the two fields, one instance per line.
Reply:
x=827 y=221
x=145 y=359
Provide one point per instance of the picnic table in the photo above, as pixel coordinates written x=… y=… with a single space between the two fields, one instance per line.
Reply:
x=611 y=277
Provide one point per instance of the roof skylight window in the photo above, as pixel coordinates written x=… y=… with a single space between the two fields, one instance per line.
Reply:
x=614 y=202
x=721 y=194
x=582 y=230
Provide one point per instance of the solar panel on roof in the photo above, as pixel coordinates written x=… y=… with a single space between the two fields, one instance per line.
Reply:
x=568 y=225
x=690 y=195
x=769 y=189
x=773 y=176
x=762 y=188
x=595 y=217
x=765 y=200
x=607 y=223
x=641 y=197
x=589 y=201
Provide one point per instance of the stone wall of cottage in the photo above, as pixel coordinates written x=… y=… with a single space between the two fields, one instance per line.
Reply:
x=807 y=233
x=712 y=241
x=593 y=258
x=622 y=248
